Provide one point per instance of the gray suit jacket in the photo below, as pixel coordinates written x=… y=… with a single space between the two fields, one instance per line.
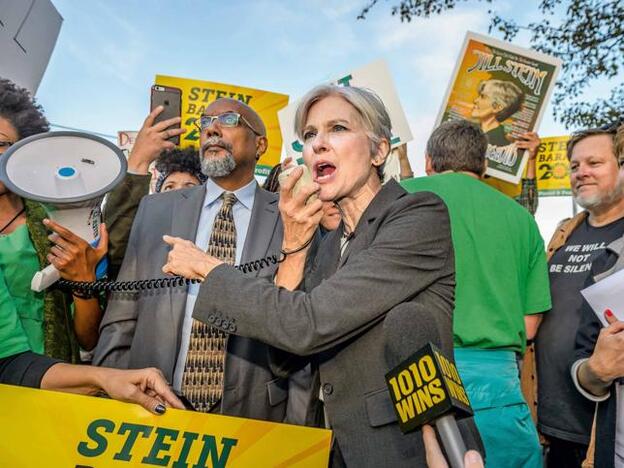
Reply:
x=144 y=329
x=401 y=252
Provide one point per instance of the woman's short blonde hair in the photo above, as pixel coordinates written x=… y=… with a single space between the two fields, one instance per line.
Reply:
x=373 y=114
x=505 y=94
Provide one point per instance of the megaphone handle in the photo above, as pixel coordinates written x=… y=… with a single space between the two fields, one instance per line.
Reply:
x=44 y=278
x=451 y=440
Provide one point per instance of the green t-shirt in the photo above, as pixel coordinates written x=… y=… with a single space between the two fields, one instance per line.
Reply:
x=500 y=263
x=18 y=264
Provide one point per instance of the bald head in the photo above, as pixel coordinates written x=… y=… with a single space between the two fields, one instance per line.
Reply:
x=222 y=105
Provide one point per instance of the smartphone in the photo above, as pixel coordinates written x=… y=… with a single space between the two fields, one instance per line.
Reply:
x=171 y=100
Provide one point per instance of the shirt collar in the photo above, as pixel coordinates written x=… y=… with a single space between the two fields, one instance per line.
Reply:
x=245 y=195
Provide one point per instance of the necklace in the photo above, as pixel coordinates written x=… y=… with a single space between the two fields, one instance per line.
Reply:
x=12 y=219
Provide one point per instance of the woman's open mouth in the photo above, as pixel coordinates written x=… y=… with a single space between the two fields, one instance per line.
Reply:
x=323 y=171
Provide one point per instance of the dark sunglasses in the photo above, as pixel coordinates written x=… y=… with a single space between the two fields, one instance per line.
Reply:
x=227 y=119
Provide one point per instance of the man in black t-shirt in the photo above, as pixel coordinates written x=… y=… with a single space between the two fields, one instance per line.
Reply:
x=564 y=416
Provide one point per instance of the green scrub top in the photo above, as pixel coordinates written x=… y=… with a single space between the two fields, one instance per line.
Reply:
x=18 y=264
x=500 y=264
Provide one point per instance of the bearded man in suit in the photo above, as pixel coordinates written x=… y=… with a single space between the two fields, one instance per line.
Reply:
x=230 y=216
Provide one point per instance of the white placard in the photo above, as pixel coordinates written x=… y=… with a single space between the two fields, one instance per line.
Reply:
x=607 y=293
x=374 y=76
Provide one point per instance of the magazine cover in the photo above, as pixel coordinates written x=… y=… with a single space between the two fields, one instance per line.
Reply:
x=504 y=89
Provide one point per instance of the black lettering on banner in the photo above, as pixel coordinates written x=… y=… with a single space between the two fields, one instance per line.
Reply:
x=194 y=94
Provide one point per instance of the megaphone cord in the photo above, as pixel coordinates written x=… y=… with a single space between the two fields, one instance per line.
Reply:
x=155 y=283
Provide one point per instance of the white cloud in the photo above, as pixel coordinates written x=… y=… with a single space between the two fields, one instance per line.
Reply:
x=110 y=45
x=447 y=30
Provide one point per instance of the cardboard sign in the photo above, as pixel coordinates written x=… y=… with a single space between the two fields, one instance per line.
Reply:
x=62 y=430
x=374 y=76
x=197 y=95
x=424 y=387
x=504 y=89
x=126 y=139
x=553 y=168
x=608 y=293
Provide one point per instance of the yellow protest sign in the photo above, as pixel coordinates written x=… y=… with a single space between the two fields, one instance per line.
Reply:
x=552 y=167
x=52 y=429
x=197 y=94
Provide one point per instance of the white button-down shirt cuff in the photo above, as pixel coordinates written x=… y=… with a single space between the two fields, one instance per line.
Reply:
x=585 y=393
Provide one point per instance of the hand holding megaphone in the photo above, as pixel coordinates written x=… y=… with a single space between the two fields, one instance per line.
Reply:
x=72 y=256
x=68 y=173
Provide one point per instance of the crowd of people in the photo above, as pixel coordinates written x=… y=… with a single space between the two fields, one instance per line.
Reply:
x=364 y=260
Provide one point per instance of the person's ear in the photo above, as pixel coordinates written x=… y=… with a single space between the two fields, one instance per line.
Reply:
x=261 y=146
x=383 y=150
x=429 y=165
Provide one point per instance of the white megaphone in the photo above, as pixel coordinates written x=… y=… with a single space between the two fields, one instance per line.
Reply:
x=68 y=173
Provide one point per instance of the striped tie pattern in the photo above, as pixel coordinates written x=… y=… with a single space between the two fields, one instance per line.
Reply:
x=202 y=382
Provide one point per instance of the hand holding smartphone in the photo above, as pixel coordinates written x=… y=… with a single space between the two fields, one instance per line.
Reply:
x=171 y=101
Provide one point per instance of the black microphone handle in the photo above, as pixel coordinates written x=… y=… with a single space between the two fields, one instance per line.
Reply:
x=451 y=440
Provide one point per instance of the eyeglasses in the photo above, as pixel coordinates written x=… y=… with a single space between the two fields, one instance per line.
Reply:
x=227 y=119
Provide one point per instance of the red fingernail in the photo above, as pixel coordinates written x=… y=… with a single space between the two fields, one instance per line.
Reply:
x=608 y=313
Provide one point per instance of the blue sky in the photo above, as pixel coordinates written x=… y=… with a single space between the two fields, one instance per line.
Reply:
x=107 y=55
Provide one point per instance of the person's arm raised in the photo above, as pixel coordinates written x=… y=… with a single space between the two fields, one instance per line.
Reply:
x=300 y=224
x=151 y=141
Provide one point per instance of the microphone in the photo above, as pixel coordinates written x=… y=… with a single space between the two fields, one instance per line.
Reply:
x=424 y=386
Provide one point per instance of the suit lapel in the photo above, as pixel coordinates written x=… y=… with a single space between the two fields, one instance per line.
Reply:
x=389 y=192
x=331 y=250
x=264 y=216
x=187 y=208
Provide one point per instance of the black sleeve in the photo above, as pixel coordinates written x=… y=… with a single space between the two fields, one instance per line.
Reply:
x=119 y=212
x=25 y=369
x=587 y=333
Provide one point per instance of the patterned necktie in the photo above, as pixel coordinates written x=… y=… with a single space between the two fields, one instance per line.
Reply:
x=202 y=382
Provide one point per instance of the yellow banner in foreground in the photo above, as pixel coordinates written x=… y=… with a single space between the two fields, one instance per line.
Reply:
x=197 y=95
x=52 y=429
x=552 y=167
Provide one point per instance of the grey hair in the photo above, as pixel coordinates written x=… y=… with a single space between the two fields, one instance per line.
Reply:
x=457 y=145
x=505 y=94
x=371 y=109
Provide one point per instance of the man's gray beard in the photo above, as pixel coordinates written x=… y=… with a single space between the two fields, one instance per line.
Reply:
x=602 y=199
x=218 y=166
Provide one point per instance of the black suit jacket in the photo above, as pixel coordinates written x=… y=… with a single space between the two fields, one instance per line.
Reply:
x=401 y=252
